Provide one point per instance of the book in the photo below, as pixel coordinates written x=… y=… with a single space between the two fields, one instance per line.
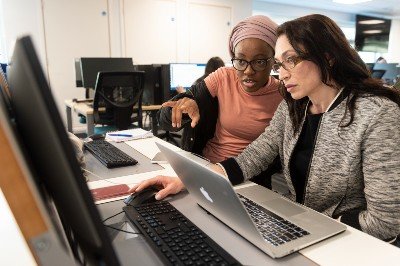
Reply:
x=110 y=192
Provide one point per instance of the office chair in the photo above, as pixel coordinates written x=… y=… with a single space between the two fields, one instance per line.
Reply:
x=170 y=137
x=120 y=93
x=378 y=73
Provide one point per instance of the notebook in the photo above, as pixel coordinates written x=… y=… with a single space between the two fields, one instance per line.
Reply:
x=271 y=222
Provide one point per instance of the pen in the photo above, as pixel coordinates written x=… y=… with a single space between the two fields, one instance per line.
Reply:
x=120 y=135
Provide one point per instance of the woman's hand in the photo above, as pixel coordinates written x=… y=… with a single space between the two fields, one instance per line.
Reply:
x=167 y=185
x=183 y=106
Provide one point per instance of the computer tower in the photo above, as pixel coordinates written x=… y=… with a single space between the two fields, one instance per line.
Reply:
x=78 y=73
x=153 y=93
x=166 y=82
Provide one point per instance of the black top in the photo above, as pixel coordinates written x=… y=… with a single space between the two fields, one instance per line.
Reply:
x=302 y=154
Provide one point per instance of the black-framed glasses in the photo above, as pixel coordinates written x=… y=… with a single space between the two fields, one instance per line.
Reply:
x=289 y=63
x=256 y=64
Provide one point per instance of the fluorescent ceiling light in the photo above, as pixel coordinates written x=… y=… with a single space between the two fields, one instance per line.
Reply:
x=371 y=21
x=372 y=31
x=351 y=2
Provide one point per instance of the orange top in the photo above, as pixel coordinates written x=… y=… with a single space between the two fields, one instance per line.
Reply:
x=242 y=115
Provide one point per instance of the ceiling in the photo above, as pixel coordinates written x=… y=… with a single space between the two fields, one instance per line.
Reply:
x=380 y=8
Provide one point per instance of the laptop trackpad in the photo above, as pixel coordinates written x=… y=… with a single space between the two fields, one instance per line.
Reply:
x=283 y=207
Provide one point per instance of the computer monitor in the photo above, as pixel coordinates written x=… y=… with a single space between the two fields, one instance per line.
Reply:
x=91 y=66
x=392 y=70
x=52 y=156
x=184 y=74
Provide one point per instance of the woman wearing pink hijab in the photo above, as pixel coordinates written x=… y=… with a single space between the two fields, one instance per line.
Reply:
x=233 y=105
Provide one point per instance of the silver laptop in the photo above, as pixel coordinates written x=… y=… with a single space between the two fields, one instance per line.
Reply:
x=271 y=222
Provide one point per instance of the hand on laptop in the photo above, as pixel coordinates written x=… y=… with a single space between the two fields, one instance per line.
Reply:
x=183 y=106
x=167 y=185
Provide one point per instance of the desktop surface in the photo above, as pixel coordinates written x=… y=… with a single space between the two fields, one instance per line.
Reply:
x=354 y=247
x=233 y=243
x=133 y=249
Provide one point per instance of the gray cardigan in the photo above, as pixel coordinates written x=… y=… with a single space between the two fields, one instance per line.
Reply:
x=355 y=167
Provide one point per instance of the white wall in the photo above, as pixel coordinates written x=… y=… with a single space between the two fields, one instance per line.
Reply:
x=27 y=17
x=21 y=17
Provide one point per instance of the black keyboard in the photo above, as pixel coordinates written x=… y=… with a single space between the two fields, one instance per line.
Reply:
x=275 y=229
x=108 y=154
x=175 y=239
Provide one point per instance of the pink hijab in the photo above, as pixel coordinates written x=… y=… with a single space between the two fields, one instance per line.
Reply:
x=260 y=27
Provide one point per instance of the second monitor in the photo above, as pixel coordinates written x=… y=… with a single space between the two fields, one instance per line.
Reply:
x=185 y=74
x=161 y=80
x=87 y=68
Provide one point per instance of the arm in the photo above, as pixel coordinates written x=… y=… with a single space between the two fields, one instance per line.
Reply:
x=199 y=104
x=381 y=170
x=261 y=152
x=164 y=115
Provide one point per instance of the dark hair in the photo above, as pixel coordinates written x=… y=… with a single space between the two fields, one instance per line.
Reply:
x=319 y=39
x=213 y=64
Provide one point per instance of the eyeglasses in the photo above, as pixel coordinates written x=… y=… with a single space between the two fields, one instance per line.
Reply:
x=256 y=64
x=288 y=63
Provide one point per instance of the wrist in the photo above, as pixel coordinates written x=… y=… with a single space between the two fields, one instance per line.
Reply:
x=222 y=170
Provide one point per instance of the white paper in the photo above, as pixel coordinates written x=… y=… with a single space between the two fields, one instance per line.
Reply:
x=129 y=134
x=148 y=147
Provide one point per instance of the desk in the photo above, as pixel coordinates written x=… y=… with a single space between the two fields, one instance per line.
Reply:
x=349 y=248
x=84 y=109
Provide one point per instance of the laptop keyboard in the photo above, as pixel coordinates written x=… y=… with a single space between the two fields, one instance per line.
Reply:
x=175 y=239
x=275 y=229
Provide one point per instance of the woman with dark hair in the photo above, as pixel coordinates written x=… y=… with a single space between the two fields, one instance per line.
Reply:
x=337 y=132
x=212 y=64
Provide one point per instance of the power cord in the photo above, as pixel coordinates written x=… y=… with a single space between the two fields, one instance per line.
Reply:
x=112 y=216
x=118 y=229
x=122 y=230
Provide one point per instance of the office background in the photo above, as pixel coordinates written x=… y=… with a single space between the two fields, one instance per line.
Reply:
x=157 y=31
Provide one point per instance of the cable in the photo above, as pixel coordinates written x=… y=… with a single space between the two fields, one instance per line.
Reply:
x=108 y=218
x=122 y=230
x=118 y=229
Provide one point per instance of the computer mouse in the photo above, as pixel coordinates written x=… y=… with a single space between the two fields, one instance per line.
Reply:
x=97 y=136
x=147 y=195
